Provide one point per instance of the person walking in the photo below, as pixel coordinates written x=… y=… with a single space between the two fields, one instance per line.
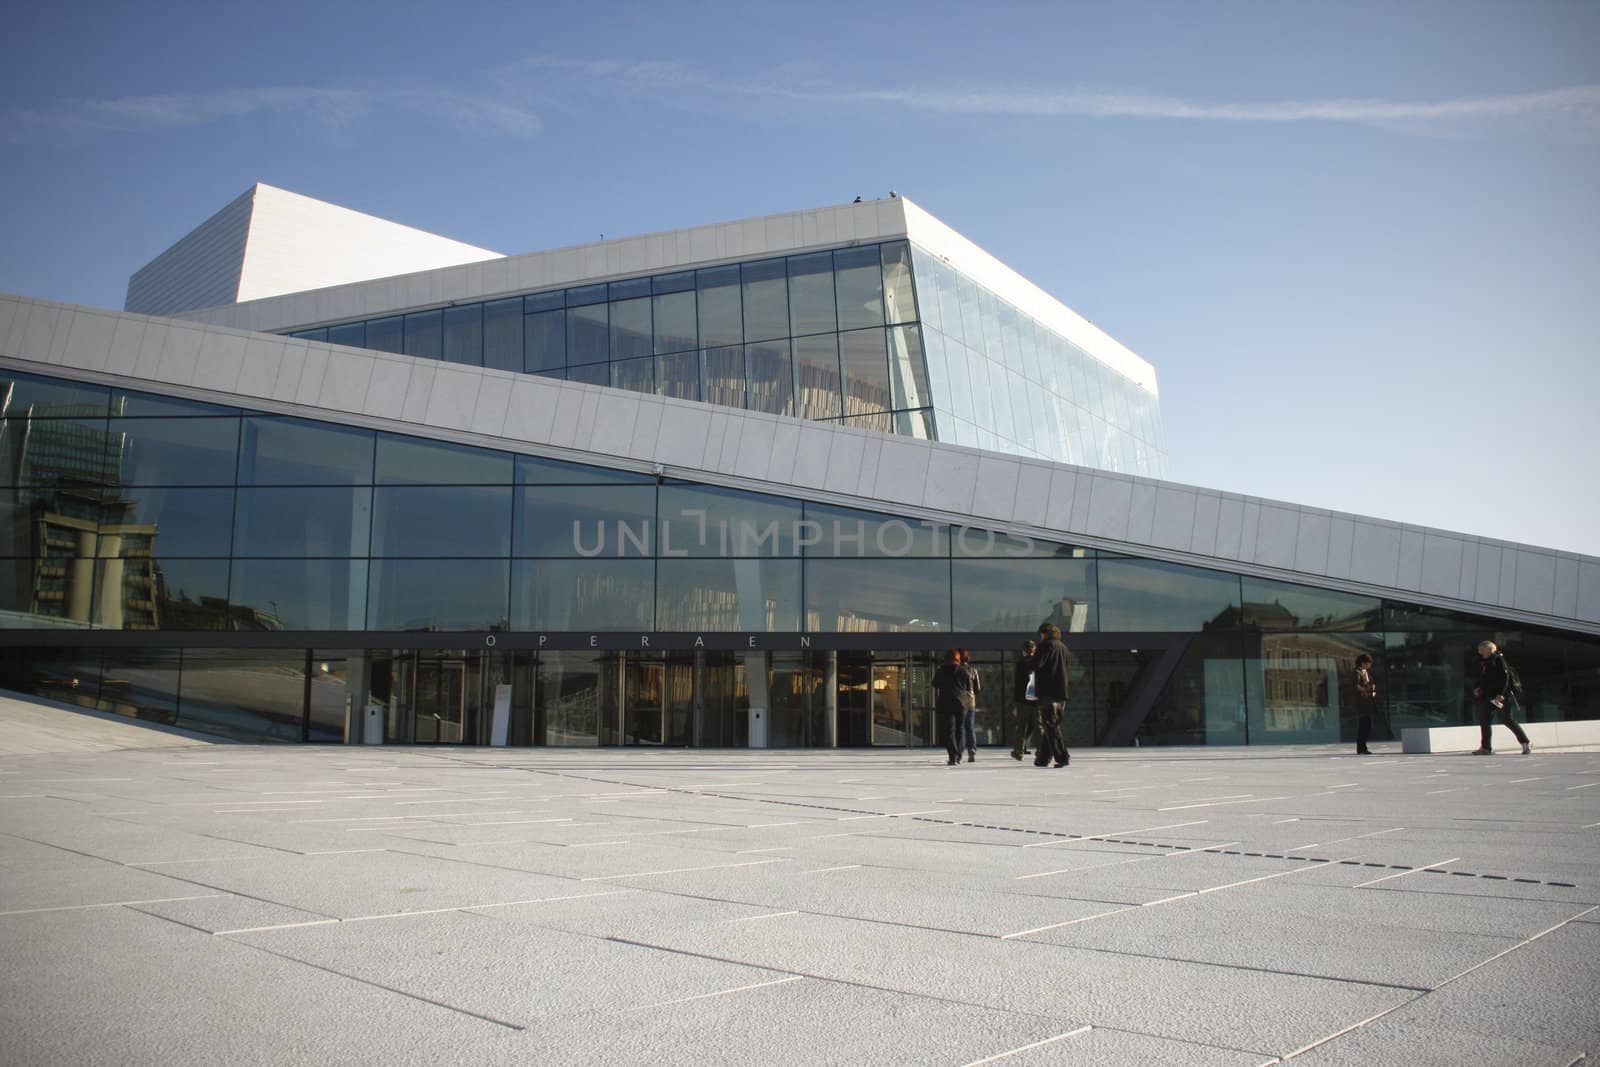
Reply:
x=952 y=693
x=1024 y=704
x=1050 y=663
x=969 y=722
x=1495 y=693
x=1366 y=702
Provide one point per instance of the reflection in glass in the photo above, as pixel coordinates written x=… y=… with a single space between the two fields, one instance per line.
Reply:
x=678 y=375
x=858 y=279
x=849 y=533
x=299 y=594
x=1270 y=605
x=766 y=300
x=865 y=372
x=811 y=300
x=416 y=461
x=141 y=593
x=771 y=377
x=141 y=683
x=502 y=335
x=23 y=395
x=720 y=313
x=707 y=595
x=178 y=522
x=637 y=375
x=674 y=319
x=1203 y=702
x=877 y=596
x=131 y=404
x=250 y=695
x=590 y=521
x=582 y=594
x=590 y=374
x=1147 y=595
x=545 y=341
x=174 y=451
x=537 y=470
x=1019 y=594
x=908 y=370
x=302 y=522
x=424 y=332
x=588 y=334
x=575 y=696
x=437 y=594
x=353 y=334
x=284 y=451
x=1300 y=686
x=463 y=335
x=630 y=328
x=432 y=520
x=707 y=521
x=816 y=371
x=723 y=376
x=900 y=304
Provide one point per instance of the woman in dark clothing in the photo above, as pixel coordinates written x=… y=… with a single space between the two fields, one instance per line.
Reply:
x=952 y=696
x=1366 y=702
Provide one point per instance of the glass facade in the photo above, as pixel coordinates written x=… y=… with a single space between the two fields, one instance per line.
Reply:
x=262 y=576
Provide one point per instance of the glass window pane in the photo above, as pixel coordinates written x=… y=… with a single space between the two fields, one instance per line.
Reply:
x=681 y=282
x=548 y=301
x=900 y=303
x=706 y=521
x=141 y=593
x=877 y=596
x=678 y=375
x=414 y=461
x=816 y=374
x=57 y=452
x=536 y=470
x=751 y=595
x=590 y=521
x=908 y=369
x=438 y=594
x=576 y=692
x=628 y=288
x=723 y=376
x=848 y=532
x=865 y=367
x=877 y=422
x=353 y=334
x=1147 y=595
x=545 y=342
x=918 y=424
x=630 y=328
x=1203 y=702
x=463 y=335
x=386 y=335
x=502 y=334
x=175 y=451
x=588 y=334
x=586 y=294
x=674 y=315
x=155 y=696
x=811 y=302
x=128 y=403
x=590 y=374
x=858 y=279
x=423 y=334
x=41 y=397
x=1284 y=606
x=284 y=451
x=302 y=522
x=250 y=695
x=638 y=375
x=766 y=300
x=173 y=522
x=1298 y=684
x=430 y=520
x=721 y=319
x=1016 y=595
x=318 y=334
x=771 y=377
x=300 y=594
x=582 y=594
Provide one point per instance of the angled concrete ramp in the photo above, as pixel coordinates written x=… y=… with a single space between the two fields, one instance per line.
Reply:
x=30 y=726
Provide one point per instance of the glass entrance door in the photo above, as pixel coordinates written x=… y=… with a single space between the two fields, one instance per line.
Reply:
x=890 y=703
x=440 y=701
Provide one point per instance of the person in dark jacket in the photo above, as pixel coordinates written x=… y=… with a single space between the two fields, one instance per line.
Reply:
x=952 y=696
x=1494 y=694
x=1366 y=702
x=969 y=724
x=1024 y=704
x=1050 y=663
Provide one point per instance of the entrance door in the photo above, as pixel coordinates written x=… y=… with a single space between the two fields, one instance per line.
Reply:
x=891 y=706
x=440 y=701
x=643 y=697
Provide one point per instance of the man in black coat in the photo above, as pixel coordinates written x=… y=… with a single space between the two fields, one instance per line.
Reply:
x=1050 y=663
x=1024 y=704
x=1494 y=694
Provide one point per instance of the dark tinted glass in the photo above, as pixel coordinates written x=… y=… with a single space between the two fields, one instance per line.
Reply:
x=545 y=341
x=588 y=334
x=536 y=470
x=547 y=301
x=865 y=370
x=877 y=595
x=1019 y=594
x=174 y=451
x=630 y=328
x=427 y=520
x=722 y=376
x=502 y=334
x=674 y=322
x=586 y=294
x=1281 y=606
x=302 y=522
x=463 y=335
x=628 y=288
x=705 y=521
x=57 y=451
x=300 y=594
x=858 y=280
x=591 y=374
x=30 y=394
x=144 y=405
x=721 y=318
x=424 y=334
x=413 y=461
x=816 y=376
x=811 y=300
x=678 y=375
x=681 y=282
x=141 y=683
x=1402 y=616
x=437 y=594
x=386 y=335
x=1299 y=685
x=847 y=532
x=318 y=334
x=250 y=695
x=353 y=334
x=593 y=521
x=1146 y=595
x=282 y=451
x=637 y=375
x=766 y=300
x=172 y=522
x=753 y=595
x=582 y=594
x=141 y=593
x=771 y=374
x=1203 y=702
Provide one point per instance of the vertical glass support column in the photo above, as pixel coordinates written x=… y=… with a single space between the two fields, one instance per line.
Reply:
x=830 y=699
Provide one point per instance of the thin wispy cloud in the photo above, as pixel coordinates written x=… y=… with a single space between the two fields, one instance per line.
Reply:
x=332 y=107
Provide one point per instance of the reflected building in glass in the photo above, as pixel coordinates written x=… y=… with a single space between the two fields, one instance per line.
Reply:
x=732 y=486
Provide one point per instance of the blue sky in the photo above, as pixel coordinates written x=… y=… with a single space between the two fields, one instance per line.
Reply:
x=1360 y=242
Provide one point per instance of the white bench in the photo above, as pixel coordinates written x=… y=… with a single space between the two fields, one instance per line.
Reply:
x=1465 y=738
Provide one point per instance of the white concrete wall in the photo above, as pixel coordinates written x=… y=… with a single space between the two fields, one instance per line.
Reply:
x=819 y=461
x=200 y=270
